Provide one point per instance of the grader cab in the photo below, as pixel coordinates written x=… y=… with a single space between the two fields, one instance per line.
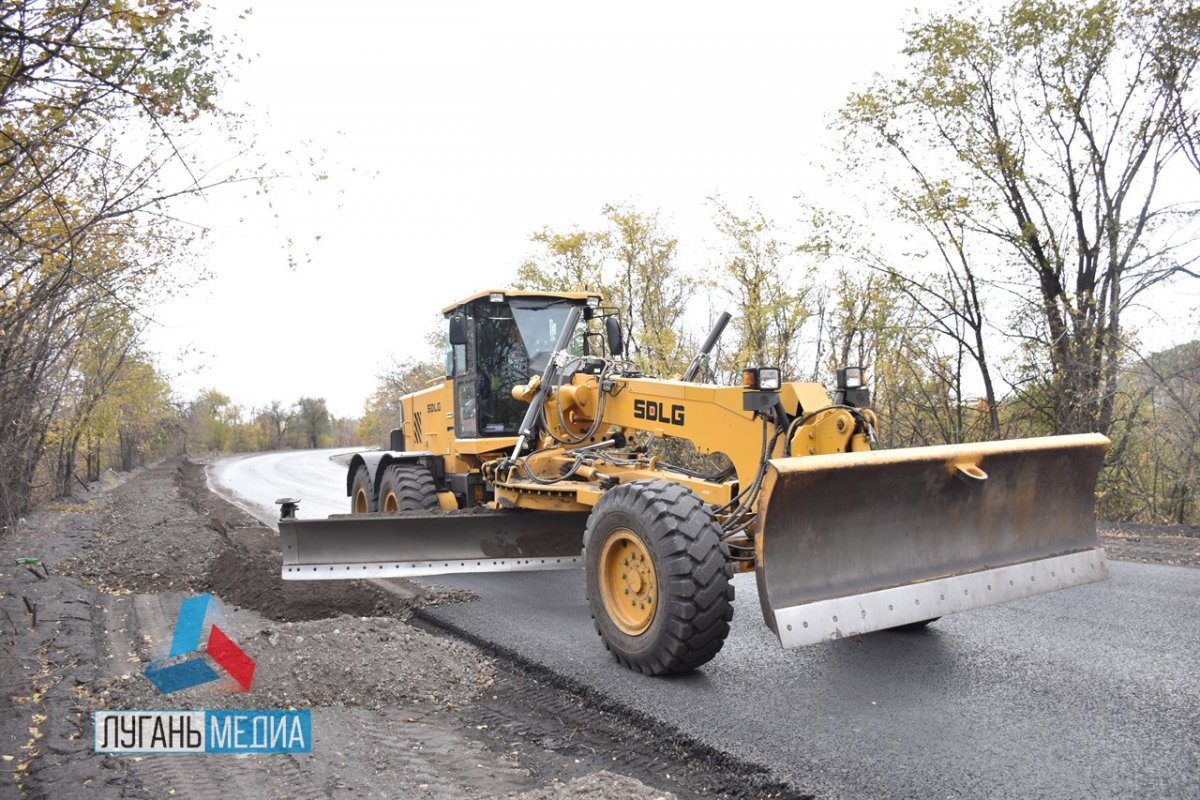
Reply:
x=538 y=451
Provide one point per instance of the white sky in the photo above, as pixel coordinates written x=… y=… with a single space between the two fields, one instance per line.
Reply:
x=452 y=130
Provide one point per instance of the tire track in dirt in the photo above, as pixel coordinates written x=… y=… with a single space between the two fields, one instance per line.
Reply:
x=216 y=777
x=426 y=753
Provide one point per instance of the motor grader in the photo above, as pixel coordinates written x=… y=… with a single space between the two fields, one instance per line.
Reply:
x=538 y=451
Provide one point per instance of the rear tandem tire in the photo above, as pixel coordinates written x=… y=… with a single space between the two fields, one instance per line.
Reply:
x=362 y=493
x=407 y=487
x=657 y=545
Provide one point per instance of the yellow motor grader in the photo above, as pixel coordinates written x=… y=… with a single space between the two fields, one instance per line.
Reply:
x=535 y=452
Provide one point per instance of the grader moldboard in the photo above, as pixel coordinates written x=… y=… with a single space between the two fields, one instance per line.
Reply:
x=531 y=455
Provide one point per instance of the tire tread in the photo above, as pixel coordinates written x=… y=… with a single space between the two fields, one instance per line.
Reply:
x=699 y=593
x=414 y=487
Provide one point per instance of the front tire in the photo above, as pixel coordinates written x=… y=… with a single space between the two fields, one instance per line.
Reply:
x=658 y=580
x=407 y=487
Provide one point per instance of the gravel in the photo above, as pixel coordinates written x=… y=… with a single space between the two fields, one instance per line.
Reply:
x=309 y=664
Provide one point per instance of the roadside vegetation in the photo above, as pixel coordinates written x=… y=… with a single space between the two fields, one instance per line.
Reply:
x=1035 y=168
x=94 y=97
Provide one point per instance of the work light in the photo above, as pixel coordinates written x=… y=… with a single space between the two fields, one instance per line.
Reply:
x=764 y=379
x=851 y=377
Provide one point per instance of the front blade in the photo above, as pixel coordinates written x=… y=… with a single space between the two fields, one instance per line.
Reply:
x=859 y=542
x=408 y=544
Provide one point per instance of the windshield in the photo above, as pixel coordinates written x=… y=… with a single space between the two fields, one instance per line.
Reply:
x=540 y=327
x=509 y=343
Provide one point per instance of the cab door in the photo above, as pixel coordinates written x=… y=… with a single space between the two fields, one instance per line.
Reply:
x=466 y=406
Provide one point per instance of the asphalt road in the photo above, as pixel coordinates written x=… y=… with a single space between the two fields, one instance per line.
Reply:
x=1093 y=692
x=255 y=482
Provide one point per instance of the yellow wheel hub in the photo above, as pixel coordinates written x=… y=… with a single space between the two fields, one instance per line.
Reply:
x=389 y=503
x=628 y=584
x=360 y=502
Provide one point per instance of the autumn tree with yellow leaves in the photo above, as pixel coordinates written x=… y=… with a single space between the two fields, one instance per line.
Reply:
x=93 y=94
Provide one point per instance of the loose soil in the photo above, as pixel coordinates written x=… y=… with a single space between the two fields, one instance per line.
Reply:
x=398 y=710
x=1154 y=544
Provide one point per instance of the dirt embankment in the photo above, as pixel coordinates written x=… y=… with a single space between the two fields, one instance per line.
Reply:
x=1178 y=545
x=398 y=711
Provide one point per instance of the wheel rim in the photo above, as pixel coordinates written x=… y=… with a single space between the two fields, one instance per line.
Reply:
x=628 y=584
x=389 y=503
x=360 y=502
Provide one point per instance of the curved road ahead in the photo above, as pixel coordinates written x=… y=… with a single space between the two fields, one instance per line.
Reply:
x=1093 y=692
x=255 y=482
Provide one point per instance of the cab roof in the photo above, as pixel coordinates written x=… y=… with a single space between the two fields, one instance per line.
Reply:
x=579 y=296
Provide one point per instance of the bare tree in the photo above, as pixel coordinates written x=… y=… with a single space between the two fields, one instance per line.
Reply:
x=770 y=301
x=82 y=235
x=1047 y=131
x=630 y=260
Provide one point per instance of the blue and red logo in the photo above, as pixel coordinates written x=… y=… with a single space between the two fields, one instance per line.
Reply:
x=201 y=651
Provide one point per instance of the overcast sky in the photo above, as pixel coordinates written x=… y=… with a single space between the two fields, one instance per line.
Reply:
x=450 y=131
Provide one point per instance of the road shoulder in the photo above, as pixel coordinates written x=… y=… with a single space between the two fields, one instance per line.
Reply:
x=399 y=709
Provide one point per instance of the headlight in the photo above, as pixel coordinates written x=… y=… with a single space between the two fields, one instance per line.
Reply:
x=766 y=379
x=851 y=377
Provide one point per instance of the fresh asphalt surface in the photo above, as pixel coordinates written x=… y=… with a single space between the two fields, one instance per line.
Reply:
x=1089 y=692
x=255 y=482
